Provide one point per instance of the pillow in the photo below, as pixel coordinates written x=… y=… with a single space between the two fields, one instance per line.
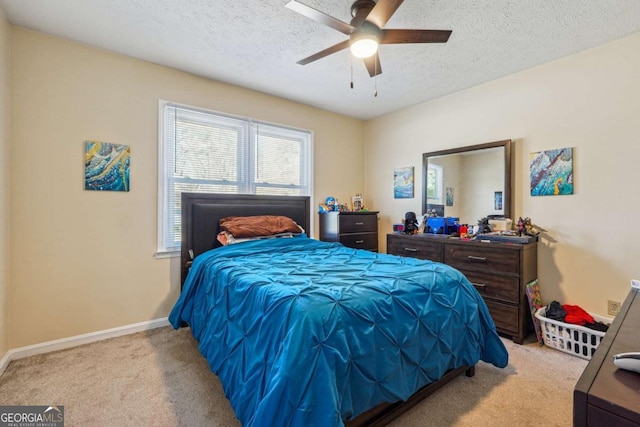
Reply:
x=260 y=225
x=225 y=238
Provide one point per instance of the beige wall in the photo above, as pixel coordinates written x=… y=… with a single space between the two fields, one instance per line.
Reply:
x=83 y=261
x=588 y=101
x=5 y=107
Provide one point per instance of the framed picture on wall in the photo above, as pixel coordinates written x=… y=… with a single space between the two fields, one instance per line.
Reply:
x=403 y=183
x=106 y=166
x=551 y=172
x=497 y=200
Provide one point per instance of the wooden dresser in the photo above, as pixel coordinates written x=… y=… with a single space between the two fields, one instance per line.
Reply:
x=353 y=229
x=499 y=271
x=605 y=395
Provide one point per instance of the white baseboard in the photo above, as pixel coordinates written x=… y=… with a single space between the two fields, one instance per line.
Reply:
x=5 y=361
x=64 y=343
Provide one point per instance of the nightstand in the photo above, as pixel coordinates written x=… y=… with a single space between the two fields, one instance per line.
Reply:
x=357 y=230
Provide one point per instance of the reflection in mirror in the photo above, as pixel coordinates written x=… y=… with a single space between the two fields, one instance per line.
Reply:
x=469 y=183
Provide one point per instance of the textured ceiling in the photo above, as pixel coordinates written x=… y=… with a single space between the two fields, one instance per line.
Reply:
x=256 y=43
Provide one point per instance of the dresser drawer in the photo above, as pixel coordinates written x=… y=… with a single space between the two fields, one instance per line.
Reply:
x=414 y=247
x=360 y=240
x=488 y=259
x=505 y=288
x=504 y=316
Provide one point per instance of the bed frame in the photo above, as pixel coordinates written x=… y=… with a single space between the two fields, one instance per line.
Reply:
x=201 y=213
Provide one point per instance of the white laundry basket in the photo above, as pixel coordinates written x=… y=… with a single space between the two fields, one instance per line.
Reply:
x=573 y=339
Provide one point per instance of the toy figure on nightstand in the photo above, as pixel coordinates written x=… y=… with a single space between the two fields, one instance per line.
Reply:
x=331 y=203
x=358 y=202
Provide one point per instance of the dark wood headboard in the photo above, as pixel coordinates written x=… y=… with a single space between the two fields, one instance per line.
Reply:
x=201 y=213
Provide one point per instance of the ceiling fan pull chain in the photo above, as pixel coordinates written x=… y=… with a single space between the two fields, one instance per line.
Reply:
x=351 y=71
x=375 y=79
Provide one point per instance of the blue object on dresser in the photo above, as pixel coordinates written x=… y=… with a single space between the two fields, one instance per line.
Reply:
x=441 y=225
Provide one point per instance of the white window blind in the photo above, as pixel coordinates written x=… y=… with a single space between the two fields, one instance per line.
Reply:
x=203 y=151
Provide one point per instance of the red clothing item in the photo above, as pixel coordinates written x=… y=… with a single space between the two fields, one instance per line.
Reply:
x=576 y=315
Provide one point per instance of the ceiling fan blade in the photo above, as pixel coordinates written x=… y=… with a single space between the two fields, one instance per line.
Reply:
x=320 y=17
x=328 y=51
x=382 y=11
x=414 y=36
x=373 y=65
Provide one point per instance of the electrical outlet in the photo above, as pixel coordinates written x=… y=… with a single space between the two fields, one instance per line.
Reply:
x=613 y=307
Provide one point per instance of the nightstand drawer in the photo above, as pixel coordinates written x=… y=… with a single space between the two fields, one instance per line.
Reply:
x=505 y=288
x=487 y=258
x=415 y=247
x=504 y=316
x=367 y=241
x=361 y=223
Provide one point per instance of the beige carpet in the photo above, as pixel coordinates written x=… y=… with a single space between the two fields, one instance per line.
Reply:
x=158 y=378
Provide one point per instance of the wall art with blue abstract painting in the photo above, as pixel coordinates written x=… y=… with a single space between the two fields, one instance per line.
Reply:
x=106 y=166
x=403 y=183
x=551 y=172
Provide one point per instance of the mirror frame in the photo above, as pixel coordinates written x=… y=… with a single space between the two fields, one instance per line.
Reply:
x=507 y=196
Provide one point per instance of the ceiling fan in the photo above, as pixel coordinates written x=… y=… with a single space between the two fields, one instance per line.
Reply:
x=365 y=31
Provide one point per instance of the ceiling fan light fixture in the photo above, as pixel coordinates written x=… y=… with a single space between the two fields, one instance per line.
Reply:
x=364 y=47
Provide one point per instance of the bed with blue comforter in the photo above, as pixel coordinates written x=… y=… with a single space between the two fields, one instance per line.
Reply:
x=309 y=333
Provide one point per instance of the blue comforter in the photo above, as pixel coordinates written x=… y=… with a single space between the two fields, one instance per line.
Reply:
x=308 y=333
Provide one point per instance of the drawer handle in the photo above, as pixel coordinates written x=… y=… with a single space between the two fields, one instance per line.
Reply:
x=359 y=223
x=359 y=241
x=410 y=250
x=477 y=258
x=479 y=285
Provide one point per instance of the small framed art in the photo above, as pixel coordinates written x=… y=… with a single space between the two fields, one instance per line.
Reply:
x=403 y=183
x=106 y=166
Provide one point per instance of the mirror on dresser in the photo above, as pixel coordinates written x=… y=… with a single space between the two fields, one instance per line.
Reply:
x=470 y=182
